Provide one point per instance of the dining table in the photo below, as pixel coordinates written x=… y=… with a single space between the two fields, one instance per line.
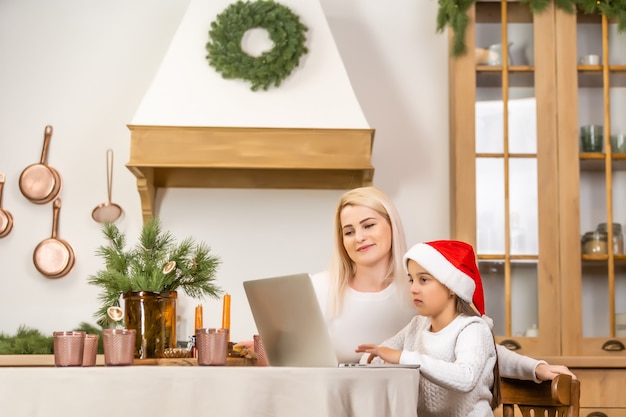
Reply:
x=250 y=391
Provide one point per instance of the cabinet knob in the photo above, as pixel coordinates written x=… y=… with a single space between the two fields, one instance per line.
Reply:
x=613 y=346
x=511 y=344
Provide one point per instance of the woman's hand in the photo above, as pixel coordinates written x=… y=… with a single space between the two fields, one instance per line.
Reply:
x=388 y=355
x=546 y=372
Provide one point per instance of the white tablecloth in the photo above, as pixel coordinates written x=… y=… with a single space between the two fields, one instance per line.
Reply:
x=207 y=391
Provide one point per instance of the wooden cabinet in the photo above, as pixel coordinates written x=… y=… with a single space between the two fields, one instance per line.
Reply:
x=525 y=191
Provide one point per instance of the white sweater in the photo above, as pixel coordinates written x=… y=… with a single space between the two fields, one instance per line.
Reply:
x=374 y=317
x=456 y=365
x=367 y=317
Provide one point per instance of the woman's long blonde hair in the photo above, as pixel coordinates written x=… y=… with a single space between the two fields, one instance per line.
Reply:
x=342 y=268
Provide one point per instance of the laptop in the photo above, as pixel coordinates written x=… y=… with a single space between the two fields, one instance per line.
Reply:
x=291 y=324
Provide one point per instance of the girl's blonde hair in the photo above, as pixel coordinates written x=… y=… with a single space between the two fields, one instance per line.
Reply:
x=342 y=268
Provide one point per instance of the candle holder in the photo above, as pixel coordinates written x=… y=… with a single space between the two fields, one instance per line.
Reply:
x=212 y=346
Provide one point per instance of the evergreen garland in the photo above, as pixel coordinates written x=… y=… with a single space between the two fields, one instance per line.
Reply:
x=453 y=13
x=30 y=341
x=286 y=31
x=26 y=341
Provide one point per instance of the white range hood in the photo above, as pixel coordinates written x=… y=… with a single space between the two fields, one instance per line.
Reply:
x=194 y=128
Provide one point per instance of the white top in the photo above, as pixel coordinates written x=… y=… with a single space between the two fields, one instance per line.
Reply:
x=374 y=317
x=456 y=365
x=367 y=317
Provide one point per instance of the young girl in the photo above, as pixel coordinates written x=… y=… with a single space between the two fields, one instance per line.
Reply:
x=448 y=338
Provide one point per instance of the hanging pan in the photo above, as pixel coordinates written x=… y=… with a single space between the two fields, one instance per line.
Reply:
x=108 y=212
x=54 y=257
x=40 y=183
x=6 y=219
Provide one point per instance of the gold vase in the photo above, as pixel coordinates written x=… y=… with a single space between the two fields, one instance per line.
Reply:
x=153 y=315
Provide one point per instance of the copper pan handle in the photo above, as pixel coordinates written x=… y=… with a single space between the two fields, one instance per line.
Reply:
x=2 y=179
x=109 y=173
x=56 y=207
x=47 y=135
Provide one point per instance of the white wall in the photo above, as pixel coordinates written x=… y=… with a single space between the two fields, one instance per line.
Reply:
x=83 y=67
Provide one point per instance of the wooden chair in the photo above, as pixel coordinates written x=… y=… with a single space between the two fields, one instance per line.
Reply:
x=557 y=398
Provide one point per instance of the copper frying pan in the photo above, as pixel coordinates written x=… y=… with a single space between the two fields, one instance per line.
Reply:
x=54 y=257
x=40 y=183
x=6 y=219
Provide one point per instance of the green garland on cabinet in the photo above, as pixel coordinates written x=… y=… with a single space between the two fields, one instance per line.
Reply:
x=453 y=14
x=286 y=31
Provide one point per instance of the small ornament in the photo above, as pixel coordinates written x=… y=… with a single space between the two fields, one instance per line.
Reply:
x=116 y=314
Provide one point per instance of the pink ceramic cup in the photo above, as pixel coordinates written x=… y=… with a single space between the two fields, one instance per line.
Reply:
x=90 y=351
x=119 y=346
x=261 y=358
x=212 y=346
x=68 y=348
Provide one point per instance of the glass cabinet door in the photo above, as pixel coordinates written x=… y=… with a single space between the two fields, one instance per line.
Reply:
x=505 y=183
x=597 y=265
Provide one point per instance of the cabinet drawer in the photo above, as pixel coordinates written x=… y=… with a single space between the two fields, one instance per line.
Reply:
x=602 y=388
x=584 y=412
x=602 y=412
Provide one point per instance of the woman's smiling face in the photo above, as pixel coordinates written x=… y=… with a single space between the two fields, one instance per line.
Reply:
x=367 y=235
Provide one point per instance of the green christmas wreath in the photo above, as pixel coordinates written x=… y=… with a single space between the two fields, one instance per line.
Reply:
x=285 y=30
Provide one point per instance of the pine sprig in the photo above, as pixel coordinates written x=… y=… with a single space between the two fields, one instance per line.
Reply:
x=538 y=6
x=155 y=264
x=453 y=14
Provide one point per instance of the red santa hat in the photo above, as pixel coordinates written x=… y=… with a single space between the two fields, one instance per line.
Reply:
x=453 y=263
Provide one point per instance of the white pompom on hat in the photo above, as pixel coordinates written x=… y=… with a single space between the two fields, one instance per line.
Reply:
x=453 y=263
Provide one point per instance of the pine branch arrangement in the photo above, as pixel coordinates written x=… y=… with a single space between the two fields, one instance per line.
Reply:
x=155 y=264
x=453 y=14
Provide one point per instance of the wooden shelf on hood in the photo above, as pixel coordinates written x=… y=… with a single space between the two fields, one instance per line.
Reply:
x=239 y=157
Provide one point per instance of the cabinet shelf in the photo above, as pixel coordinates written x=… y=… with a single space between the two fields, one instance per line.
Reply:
x=498 y=68
x=592 y=161
x=590 y=76
x=491 y=76
x=237 y=157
